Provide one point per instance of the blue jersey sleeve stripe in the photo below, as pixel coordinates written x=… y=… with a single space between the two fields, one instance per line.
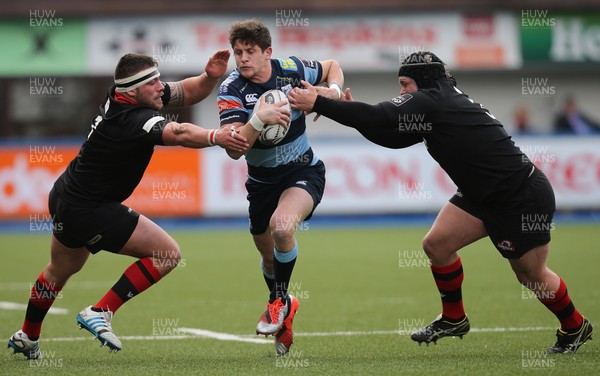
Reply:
x=229 y=98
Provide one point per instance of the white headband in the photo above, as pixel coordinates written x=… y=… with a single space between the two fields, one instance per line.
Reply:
x=133 y=82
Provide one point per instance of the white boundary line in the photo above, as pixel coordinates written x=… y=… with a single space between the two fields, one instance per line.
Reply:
x=10 y=306
x=224 y=336
x=195 y=333
x=404 y=332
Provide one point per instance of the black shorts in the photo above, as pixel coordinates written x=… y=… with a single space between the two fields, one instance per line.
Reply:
x=105 y=227
x=263 y=197
x=520 y=223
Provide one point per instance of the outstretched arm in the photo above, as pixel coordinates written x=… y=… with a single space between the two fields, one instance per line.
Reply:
x=370 y=120
x=194 y=89
x=347 y=112
x=192 y=136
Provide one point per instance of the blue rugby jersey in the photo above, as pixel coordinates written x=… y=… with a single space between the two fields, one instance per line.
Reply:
x=236 y=101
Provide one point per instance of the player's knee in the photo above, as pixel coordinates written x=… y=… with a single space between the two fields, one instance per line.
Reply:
x=60 y=274
x=432 y=246
x=282 y=232
x=171 y=256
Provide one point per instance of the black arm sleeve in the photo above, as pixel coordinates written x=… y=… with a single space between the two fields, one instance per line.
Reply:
x=353 y=114
x=371 y=121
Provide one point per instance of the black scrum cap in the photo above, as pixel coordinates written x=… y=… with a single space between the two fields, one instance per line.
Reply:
x=424 y=67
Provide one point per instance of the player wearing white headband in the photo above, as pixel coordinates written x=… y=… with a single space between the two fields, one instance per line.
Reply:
x=133 y=82
x=86 y=200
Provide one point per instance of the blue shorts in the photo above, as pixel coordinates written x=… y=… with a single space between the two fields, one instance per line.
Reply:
x=264 y=197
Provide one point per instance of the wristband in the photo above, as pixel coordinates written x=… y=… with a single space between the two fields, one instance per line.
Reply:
x=337 y=87
x=211 y=137
x=256 y=123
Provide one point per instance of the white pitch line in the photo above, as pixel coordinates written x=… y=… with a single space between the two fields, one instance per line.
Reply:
x=11 y=306
x=223 y=336
x=402 y=332
x=203 y=333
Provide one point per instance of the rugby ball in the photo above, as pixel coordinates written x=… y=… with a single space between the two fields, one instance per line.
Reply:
x=272 y=134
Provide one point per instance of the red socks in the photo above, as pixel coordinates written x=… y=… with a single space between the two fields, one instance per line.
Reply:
x=137 y=278
x=42 y=296
x=448 y=280
x=560 y=304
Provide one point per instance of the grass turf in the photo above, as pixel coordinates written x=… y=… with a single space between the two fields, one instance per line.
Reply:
x=347 y=280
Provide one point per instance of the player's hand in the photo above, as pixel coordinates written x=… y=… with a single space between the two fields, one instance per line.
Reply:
x=346 y=96
x=274 y=113
x=231 y=139
x=217 y=64
x=327 y=92
x=303 y=99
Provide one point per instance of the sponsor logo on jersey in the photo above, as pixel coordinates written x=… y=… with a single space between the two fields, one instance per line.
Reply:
x=288 y=64
x=399 y=101
x=251 y=98
x=225 y=104
x=236 y=117
x=309 y=63
x=505 y=245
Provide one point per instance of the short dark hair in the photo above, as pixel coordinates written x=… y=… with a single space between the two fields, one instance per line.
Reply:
x=130 y=64
x=252 y=32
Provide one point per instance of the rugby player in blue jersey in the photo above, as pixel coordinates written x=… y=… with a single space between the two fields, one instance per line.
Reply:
x=285 y=181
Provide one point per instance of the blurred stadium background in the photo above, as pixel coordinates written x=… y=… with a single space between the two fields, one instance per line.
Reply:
x=521 y=60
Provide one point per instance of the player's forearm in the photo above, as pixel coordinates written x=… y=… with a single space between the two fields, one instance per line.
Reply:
x=194 y=136
x=198 y=88
x=245 y=130
x=353 y=114
x=333 y=78
x=335 y=75
x=188 y=135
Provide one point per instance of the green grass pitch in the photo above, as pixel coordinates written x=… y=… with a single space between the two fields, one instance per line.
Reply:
x=361 y=292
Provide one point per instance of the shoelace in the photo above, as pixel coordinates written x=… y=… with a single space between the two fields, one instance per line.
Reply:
x=275 y=308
